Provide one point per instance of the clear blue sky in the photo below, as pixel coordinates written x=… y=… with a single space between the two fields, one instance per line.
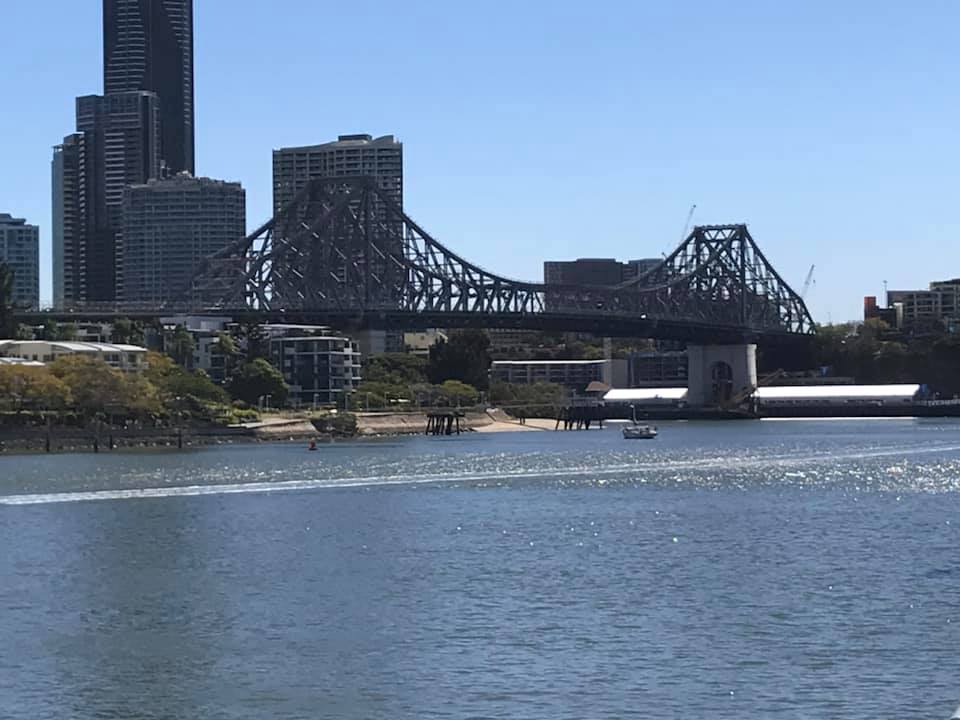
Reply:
x=541 y=130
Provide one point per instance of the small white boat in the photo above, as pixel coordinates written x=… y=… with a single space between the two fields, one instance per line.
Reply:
x=635 y=431
x=638 y=431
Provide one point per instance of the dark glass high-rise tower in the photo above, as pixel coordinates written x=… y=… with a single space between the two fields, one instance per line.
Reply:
x=148 y=45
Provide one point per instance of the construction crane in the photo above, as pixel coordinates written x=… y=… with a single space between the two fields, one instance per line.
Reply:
x=807 y=283
x=686 y=226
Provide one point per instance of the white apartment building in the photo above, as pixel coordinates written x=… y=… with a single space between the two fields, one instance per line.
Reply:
x=129 y=358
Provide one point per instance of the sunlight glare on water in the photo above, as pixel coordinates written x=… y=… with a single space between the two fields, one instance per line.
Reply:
x=802 y=569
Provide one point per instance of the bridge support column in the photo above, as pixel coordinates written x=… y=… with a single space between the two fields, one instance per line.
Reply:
x=717 y=373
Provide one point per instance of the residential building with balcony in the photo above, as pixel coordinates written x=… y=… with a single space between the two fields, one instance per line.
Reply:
x=20 y=252
x=319 y=367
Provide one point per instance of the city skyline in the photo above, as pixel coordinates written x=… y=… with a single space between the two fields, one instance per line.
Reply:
x=508 y=165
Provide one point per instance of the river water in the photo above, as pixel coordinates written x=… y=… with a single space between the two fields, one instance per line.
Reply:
x=792 y=569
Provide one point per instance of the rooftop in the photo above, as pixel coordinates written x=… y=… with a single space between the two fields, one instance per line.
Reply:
x=834 y=392
x=779 y=393
x=8 y=219
x=359 y=140
x=21 y=362
x=74 y=347
x=184 y=179
x=645 y=394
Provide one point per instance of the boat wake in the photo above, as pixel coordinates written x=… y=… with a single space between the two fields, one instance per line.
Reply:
x=634 y=470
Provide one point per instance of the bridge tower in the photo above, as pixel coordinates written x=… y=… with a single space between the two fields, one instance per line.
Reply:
x=718 y=373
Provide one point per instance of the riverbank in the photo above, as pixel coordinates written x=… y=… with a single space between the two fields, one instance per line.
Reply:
x=26 y=440
x=39 y=440
x=415 y=423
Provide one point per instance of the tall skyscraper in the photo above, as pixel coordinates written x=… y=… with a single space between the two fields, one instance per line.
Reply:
x=382 y=158
x=148 y=45
x=169 y=227
x=117 y=144
x=20 y=251
x=140 y=129
x=69 y=223
x=349 y=155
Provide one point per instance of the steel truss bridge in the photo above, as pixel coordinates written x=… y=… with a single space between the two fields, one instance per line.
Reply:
x=344 y=253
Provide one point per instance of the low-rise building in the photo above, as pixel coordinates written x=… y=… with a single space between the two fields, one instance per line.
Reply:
x=781 y=396
x=872 y=311
x=919 y=309
x=573 y=374
x=130 y=358
x=319 y=367
x=837 y=396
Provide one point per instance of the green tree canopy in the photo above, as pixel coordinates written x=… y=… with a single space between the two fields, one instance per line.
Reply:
x=31 y=388
x=226 y=344
x=94 y=386
x=173 y=381
x=458 y=394
x=375 y=395
x=253 y=341
x=66 y=332
x=179 y=345
x=256 y=379
x=127 y=332
x=534 y=400
x=395 y=369
x=49 y=330
x=463 y=357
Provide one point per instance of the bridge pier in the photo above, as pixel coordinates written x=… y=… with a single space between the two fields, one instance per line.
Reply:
x=718 y=373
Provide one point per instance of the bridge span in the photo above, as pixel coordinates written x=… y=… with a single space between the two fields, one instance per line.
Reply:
x=344 y=254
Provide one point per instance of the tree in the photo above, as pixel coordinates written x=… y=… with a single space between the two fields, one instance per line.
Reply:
x=457 y=394
x=66 y=332
x=139 y=397
x=463 y=357
x=127 y=332
x=95 y=387
x=180 y=346
x=534 y=400
x=8 y=326
x=174 y=382
x=49 y=330
x=253 y=340
x=227 y=346
x=579 y=350
x=257 y=379
x=31 y=388
x=892 y=363
x=425 y=394
x=379 y=394
x=943 y=365
x=395 y=369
